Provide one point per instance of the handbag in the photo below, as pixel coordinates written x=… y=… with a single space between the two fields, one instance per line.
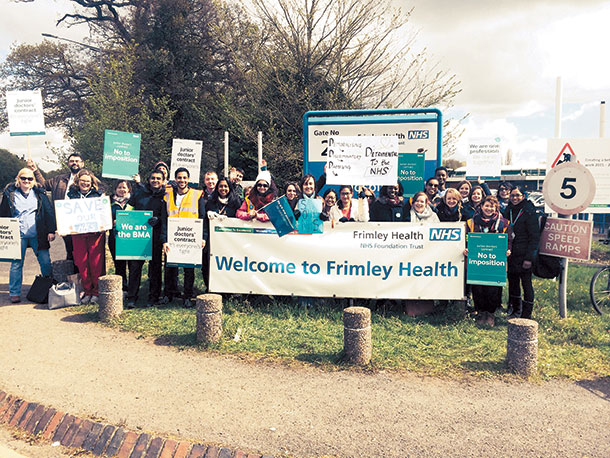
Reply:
x=62 y=295
x=545 y=266
x=39 y=291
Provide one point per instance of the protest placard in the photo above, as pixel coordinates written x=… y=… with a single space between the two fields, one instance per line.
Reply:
x=281 y=216
x=484 y=158
x=10 y=239
x=187 y=154
x=121 y=154
x=411 y=173
x=80 y=216
x=486 y=259
x=133 y=234
x=25 y=115
x=366 y=260
x=184 y=237
x=309 y=222
x=362 y=160
x=567 y=238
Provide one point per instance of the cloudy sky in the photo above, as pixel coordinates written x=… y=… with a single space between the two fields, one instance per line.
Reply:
x=507 y=54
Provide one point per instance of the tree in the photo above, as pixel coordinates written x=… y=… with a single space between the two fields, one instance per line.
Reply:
x=117 y=104
x=9 y=167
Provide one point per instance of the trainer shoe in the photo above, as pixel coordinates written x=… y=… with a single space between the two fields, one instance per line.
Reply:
x=93 y=300
x=15 y=299
x=85 y=300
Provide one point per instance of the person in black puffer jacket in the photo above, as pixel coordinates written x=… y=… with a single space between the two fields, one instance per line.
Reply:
x=522 y=216
x=388 y=206
x=450 y=208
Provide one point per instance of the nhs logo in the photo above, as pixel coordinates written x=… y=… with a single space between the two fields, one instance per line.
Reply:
x=418 y=135
x=445 y=234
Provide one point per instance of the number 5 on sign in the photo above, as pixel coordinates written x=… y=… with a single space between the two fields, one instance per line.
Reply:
x=569 y=188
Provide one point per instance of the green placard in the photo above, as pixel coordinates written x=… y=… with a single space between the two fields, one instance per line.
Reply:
x=133 y=235
x=411 y=172
x=486 y=259
x=121 y=154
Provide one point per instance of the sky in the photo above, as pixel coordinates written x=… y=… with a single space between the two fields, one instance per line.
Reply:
x=507 y=55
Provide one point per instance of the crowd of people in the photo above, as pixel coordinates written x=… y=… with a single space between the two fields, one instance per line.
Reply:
x=509 y=212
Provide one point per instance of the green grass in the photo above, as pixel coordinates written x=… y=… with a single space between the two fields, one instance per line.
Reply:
x=446 y=343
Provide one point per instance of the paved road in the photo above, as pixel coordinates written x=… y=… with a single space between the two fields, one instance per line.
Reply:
x=80 y=367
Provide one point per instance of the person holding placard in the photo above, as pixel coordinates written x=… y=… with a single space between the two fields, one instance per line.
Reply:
x=330 y=211
x=441 y=174
x=293 y=194
x=487 y=298
x=503 y=194
x=118 y=201
x=59 y=187
x=431 y=190
x=89 y=248
x=358 y=212
x=182 y=202
x=263 y=192
x=389 y=205
x=151 y=197
x=526 y=235
x=27 y=202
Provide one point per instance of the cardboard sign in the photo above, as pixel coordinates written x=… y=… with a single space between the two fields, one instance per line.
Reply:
x=133 y=235
x=187 y=154
x=484 y=158
x=184 y=236
x=81 y=216
x=411 y=173
x=567 y=238
x=486 y=259
x=121 y=154
x=281 y=216
x=10 y=239
x=362 y=160
x=25 y=115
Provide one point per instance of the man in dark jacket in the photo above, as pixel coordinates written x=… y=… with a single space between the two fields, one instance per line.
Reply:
x=149 y=197
x=59 y=186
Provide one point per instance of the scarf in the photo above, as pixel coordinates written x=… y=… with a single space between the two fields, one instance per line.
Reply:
x=260 y=200
x=423 y=216
x=484 y=223
x=395 y=202
x=122 y=201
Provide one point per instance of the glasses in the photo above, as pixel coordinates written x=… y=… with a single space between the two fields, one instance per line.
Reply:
x=346 y=193
x=262 y=185
x=432 y=185
x=26 y=178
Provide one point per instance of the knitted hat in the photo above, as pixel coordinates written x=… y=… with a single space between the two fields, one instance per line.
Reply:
x=264 y=175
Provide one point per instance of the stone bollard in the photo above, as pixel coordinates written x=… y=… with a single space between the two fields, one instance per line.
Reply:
x=110 y=296
x=61 y=270
x=209 y=318
x=357 y=344
x=522 y=346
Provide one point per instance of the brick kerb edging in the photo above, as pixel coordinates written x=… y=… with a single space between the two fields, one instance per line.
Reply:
x=101 y=439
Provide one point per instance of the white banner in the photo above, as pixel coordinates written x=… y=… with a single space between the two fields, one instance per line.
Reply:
x=362 y=260
x=484 y=158
x=362 y=160
x=187 y=154
x=25 y=116
x=80 y=216
x=10 y=239
x=184 y=237
x=594 y=154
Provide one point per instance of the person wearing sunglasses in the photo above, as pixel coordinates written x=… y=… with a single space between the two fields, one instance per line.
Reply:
x=431 y=189
x=26 y=200
x=263 y=192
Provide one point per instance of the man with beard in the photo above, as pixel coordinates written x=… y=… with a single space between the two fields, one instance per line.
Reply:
x=182 y=202
x=149 y=196
x=59 y=185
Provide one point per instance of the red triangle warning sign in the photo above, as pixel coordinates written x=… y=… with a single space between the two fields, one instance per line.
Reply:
x=564 y=156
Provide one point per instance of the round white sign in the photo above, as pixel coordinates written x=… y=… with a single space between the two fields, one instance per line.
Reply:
x=569 y=188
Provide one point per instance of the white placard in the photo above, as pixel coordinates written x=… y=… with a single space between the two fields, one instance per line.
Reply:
x=362 y=160
x=25 y=115
x=594 y=154
x=184 y=237
x=383 y=260
x=10 y=239
x=81 y=216
x=484 y=158
x=187 y=154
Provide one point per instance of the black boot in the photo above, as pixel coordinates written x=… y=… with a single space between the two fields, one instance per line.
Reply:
x=515 y=304
x=526 y=312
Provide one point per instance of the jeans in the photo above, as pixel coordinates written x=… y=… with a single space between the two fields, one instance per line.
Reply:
x=16 y=272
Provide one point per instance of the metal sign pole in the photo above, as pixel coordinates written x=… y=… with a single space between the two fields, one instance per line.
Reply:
x=563 y=277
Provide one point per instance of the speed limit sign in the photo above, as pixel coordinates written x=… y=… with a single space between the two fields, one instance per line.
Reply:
x=569 y=188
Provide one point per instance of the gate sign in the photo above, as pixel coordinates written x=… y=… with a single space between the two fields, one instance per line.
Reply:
x=567 y=238
x=417 y=131
x=568 y=188
x=25 y=116
x=594 y=154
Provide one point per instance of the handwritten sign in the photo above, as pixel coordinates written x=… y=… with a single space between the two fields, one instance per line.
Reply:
x=362 y=160
x=484 y=158
x=80 y=216
x=25 y=116
x=187 y=154
x=10 y=239
x=184 y=236
x=133 y=235
x=121 y=154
